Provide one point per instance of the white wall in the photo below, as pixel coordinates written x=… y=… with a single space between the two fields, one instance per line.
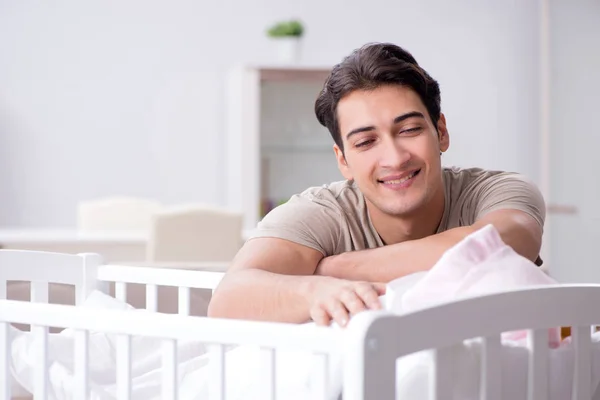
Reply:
x=126 y=97
x=575 y=139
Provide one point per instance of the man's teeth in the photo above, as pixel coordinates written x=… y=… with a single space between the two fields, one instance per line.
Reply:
x=398 y=181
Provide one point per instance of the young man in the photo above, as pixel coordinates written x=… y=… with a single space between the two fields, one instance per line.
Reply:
x=327 y=253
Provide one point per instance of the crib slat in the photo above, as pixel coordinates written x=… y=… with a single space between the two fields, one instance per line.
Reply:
x=39 y=292
x=183 y=307
x=491 y=368
x=81 y=364
x=41 y=368
x=538 y=364
x=3 y=289
x=124 y=367
x=321 y=368
x=80 y=294
x=5 y=354
x=217 y=371
x=121 y=291
x=169 y=370
x=267 y=371
x=151 y=297
x=582 y=378
x=441 y=382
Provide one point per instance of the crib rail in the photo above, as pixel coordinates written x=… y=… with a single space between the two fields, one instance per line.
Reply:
x=217 y=333
x=370 y=371
x=164 y=276
x=86 y=272
x=41 y=267
x=184 y=280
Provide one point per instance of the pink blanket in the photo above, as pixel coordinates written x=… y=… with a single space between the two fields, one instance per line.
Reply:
x=480 y=264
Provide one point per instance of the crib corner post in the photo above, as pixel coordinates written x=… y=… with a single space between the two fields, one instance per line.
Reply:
x=369 y=358
x=91 y=264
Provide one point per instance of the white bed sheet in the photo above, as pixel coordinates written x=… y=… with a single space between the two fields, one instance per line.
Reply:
x=243 y=371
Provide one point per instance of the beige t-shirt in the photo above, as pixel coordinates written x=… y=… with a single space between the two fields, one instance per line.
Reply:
x=333 y=218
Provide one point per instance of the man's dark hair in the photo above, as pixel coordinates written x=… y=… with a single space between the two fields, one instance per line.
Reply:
x=368 y=68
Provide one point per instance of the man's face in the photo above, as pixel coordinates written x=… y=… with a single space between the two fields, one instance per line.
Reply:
x=391 y=148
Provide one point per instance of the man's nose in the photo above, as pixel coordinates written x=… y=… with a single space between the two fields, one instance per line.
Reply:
x=394 y=154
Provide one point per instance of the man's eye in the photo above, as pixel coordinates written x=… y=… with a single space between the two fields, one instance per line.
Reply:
x=412 y=130
x=364 y=143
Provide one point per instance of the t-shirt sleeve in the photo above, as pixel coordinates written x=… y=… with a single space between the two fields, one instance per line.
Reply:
x=510 y=191
x=303 y=220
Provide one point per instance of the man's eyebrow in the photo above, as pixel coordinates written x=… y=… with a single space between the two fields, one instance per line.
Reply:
x=412 y=114
x=359 y=130
x=399 y=118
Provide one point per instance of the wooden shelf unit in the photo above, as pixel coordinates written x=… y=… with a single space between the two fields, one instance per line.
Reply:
x=270 y=120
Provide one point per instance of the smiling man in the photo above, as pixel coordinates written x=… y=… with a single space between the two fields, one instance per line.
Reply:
x=327 y=253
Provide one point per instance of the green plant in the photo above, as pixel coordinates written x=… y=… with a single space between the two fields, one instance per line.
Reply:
x=293 y=28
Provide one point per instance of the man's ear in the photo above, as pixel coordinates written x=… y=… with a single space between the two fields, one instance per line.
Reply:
x=443 y=136
x=342 y=163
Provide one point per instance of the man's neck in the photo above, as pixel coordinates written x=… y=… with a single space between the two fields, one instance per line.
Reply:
x=423 y=223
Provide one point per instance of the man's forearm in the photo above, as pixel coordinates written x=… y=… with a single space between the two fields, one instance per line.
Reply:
x=255 y=294
x=517 y=230
x=387 y=263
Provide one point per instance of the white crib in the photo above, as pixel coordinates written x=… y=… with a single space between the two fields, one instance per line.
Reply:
x=87 y=273
x=370 y=345
x=376 y=343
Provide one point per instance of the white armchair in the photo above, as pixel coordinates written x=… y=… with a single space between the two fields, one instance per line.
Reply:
x=194 y=233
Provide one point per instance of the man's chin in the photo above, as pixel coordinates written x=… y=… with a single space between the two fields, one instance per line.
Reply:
x=397 y=204
x=404 y=210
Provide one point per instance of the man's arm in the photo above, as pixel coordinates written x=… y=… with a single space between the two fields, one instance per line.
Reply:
x=517 y=229
x=272 y=280
x=269 y=279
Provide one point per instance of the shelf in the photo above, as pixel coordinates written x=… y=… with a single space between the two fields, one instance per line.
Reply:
x=275 y=146
x=274 y=73
x=287 y=73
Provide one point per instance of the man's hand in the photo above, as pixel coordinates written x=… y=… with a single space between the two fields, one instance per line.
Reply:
x=338 y=299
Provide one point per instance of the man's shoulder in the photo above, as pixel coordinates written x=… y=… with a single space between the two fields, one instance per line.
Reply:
x=459 y=179
x=473 y=192
x=313 y=217
x=342 y=194
x=458 y=174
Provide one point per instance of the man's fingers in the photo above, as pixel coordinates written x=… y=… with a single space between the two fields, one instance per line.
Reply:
x=380 y=288
x=369 y=294
x=320 y=316
x=352 y=301
x=338 y=312
x=345 y=300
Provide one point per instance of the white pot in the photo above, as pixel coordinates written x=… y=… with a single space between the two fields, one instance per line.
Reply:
x=287 y=50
